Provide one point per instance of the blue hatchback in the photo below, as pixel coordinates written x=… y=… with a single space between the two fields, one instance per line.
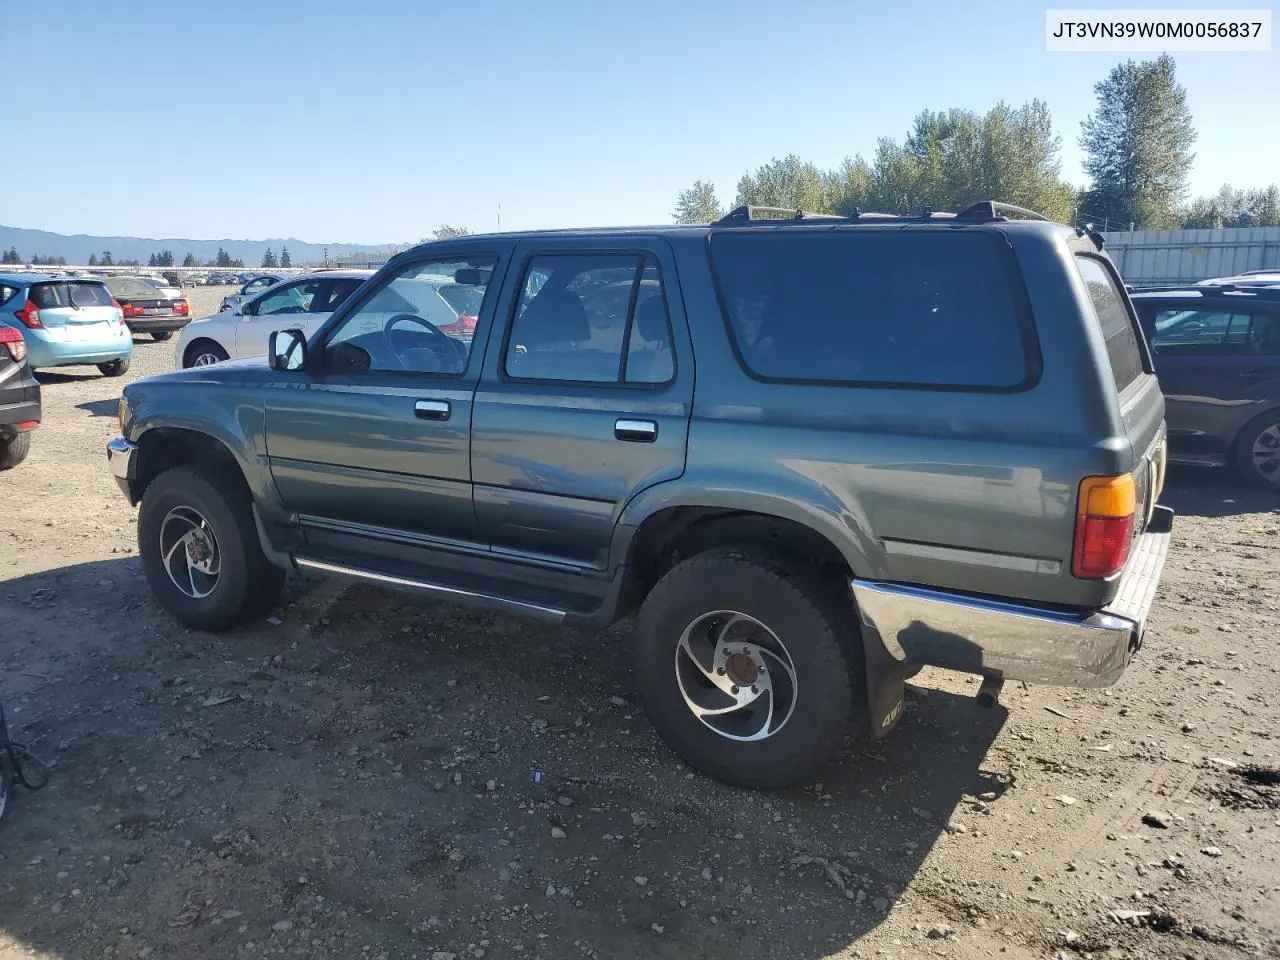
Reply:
x=65 y=321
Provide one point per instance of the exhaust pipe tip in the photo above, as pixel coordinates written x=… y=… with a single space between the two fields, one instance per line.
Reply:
x=989 y=693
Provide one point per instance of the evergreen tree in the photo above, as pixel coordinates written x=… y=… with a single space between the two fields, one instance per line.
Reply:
x=1137 y=146
x=698 y=204
x=269 y=260
x=93 y=259
x=285 y=259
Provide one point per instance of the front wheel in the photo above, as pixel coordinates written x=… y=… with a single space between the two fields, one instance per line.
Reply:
x=205 y=353
x=13 y=450
x=742 y=665
x=200 y=551
x=116 y=368
x=1258 y=451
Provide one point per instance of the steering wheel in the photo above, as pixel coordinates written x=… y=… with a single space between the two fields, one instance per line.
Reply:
x=451 y=348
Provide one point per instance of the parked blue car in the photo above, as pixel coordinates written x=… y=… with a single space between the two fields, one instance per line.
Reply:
x=65 y=321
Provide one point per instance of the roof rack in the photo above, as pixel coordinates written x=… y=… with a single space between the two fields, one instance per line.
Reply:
x=995 y=210
x=1265 y=292
x=745 y=214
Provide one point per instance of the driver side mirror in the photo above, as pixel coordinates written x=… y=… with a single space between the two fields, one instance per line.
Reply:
x=287 y=350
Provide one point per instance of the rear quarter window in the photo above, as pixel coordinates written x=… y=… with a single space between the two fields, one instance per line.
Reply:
x=1114 y=320
x=923 y=309
x=7 y=293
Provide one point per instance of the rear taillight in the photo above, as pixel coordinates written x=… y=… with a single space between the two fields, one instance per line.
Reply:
x=130 y=310
x=22 y=426
x=14 y=344
x=119 y=311
x=29 y=315
x=1104 y=526
x=466 y=322
x=181 y=307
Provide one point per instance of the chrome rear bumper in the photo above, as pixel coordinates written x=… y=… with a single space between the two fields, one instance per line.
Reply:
x=1015 y=641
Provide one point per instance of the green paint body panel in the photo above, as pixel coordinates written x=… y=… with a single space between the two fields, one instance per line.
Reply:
x=960 y=491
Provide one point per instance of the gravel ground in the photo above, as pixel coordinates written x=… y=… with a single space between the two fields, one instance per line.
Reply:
x=366 y=776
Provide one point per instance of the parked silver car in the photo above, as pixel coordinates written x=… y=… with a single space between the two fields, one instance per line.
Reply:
x=252 y=288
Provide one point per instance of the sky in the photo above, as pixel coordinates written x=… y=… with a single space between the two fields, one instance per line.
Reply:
x=377 y=122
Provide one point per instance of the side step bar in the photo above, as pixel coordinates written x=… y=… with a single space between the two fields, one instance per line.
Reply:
x=438 y=590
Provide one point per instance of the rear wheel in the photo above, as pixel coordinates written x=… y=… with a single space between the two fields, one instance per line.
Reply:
x=13 y=450
x=200 y=550
x=162 y=335
x=741 y=664
x=116 y=368
x=1258 y=451
x=205 y=353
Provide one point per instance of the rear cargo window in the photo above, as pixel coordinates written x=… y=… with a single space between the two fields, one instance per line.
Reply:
x=1113 y=317
x=911 y=309
x=47 y=296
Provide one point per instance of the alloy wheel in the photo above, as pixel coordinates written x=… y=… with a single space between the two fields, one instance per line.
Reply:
x=190 y=552
x=735 y=676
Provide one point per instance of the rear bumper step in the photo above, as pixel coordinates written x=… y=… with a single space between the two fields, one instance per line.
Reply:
x=1009 y=640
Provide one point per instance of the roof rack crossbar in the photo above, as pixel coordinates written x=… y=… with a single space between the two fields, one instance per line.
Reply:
x=995 y=210
x=746 y=214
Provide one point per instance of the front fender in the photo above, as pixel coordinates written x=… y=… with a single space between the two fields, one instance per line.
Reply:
x=228 y=408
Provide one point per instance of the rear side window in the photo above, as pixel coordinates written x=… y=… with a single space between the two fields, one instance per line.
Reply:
x=48 y=296
x=912 y=309
x=1113 y=317
x=7 y=293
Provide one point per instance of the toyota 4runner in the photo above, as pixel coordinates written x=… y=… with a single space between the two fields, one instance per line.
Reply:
x=810 y=454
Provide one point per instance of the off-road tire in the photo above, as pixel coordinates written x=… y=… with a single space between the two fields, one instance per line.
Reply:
x=248 y=583
x=805 y=611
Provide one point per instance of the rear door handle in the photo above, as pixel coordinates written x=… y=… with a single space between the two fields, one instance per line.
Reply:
x=636 y=431
x=432 y=409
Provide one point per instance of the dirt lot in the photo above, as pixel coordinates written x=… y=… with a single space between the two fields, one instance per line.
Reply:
x=365 y=776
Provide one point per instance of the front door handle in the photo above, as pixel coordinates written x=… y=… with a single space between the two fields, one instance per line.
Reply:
x=432 y=409
x=636 y=431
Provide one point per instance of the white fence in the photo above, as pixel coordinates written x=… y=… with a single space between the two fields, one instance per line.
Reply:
x=1175 y=256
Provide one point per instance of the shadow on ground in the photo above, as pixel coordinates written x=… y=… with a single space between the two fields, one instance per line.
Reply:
x=1214 y=492
x=100 y=408
x=363 y=771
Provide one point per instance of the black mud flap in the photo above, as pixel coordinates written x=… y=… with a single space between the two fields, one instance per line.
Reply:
x=886 y=679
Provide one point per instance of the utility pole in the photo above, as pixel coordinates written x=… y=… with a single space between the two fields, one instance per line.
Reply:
x=499 y=218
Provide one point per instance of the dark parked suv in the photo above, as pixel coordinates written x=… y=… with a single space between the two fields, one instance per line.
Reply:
x=19 y=399
x=1217 y=353
x=809 y=454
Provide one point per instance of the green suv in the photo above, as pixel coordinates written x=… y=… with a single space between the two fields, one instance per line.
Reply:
x=808 y=454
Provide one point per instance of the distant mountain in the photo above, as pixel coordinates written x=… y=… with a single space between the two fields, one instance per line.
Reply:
x=78 y=247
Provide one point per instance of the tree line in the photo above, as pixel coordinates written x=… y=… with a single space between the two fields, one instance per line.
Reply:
x=1138 y=154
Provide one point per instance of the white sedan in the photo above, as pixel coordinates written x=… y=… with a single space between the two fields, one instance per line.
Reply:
x=243 y=331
